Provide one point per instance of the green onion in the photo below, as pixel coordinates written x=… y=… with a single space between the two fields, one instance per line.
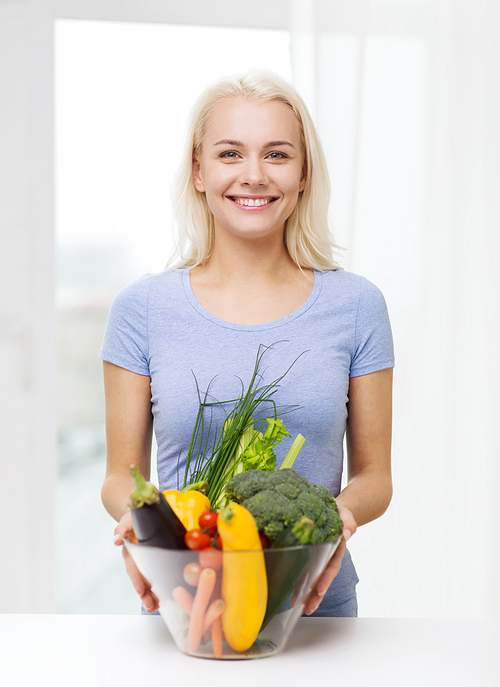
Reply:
x=218 y=463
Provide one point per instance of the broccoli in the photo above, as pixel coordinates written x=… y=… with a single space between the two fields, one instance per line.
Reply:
x=272 y=512
x=254 y=481
x=279 y=499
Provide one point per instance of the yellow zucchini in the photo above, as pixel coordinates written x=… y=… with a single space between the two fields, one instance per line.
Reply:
x=244 y=579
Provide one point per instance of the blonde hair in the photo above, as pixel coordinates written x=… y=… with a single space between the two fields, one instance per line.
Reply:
x=307 y=236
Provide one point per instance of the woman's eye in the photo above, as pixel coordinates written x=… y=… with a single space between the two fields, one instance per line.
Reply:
x=229 y=155
x=277 y=155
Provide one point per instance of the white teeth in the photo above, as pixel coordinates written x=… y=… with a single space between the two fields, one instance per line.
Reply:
x=252 y=202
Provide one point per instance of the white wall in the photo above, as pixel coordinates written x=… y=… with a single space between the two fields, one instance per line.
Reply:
x=27 y=398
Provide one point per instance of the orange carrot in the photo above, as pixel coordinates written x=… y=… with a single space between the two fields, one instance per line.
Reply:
x=183 y=598
x=216 y=632
x=204 y=591
x=215 y=610
x=218 y=587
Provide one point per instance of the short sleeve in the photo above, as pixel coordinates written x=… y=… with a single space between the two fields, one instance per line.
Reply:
x=374 y=347
x=126 y=341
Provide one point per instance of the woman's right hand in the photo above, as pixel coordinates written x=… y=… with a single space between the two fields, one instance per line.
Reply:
x=141 y=585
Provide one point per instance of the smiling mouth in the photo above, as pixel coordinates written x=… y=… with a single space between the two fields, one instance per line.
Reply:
x=252 y=202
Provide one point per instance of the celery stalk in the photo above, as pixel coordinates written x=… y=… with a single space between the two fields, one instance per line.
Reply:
x=246 y=438
x=293 y=452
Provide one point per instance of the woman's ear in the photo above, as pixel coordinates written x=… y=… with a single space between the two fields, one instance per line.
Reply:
x=197 y=180
x=303 y=180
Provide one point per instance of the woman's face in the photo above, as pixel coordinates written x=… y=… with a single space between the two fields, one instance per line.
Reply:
x=251 y=167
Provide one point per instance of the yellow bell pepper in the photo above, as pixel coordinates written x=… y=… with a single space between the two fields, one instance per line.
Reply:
x=188 y=506
x=244 y=579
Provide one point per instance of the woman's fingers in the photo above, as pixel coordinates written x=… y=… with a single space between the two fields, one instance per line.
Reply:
x=329 y=574
x=349 y=526
x=141 y=585
x=124 y=526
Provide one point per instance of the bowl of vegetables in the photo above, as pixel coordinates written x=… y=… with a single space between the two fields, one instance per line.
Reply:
x=232 y=582
x=232 y=604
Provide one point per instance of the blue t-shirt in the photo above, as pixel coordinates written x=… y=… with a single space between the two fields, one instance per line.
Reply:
x=156 y=327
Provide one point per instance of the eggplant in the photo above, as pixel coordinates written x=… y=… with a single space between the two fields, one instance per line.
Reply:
x=154 y=521
x=285 y=568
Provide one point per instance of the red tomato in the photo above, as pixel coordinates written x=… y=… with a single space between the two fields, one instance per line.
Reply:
x=216 y=542
x=208 y=522
x=210 y=558
x=196 y=540
x=264 y=541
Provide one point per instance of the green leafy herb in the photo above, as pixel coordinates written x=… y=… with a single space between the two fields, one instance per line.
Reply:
x=241 y=442
x=259 y=453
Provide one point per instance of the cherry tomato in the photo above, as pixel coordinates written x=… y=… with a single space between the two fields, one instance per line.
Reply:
x=264 y=540
x=210 y=558
x=208 y=522
x=196 y=540
x=216 y=542
x=191 y=574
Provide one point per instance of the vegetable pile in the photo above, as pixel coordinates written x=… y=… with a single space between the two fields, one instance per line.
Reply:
x=235 y=500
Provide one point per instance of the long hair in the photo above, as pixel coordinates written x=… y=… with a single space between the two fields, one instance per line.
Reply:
x=307 y=235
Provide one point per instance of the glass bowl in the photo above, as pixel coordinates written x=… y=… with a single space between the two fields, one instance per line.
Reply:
x=276 y=581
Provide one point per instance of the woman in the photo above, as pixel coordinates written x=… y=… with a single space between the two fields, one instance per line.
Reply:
x=255 y=265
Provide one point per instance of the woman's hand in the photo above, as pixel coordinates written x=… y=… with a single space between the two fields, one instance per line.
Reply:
x=332 y=569
x=141 y=585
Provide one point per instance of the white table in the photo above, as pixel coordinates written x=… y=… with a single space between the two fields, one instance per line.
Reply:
x=88 y=650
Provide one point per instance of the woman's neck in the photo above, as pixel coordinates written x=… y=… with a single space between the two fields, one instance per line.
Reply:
x=261 y=262
x=252 y=286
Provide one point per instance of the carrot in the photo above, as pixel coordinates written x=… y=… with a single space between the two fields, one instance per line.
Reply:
x=218 y=587
x=216 y=632
x=204 y=591
x=216 y=627
x=214 y=611
x=183 y=598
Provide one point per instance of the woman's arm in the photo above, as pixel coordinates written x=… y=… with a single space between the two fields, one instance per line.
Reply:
x=369 y=483
x=368 y=434
x=129 y=432
x=129 y=427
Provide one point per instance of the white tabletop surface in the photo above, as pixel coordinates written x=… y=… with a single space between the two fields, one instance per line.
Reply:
x=88 y=650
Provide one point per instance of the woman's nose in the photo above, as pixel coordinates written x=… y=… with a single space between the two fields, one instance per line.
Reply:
x=253 y=173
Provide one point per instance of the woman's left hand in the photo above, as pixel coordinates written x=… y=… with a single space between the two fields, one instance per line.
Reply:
x=332 y=569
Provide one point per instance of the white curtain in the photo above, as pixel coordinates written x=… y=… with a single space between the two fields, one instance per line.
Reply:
x=406 y=98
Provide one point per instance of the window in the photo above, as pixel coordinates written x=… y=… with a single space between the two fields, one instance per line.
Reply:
x=123 y=93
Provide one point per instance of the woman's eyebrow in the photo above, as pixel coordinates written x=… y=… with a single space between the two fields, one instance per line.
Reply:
x=271 y=144
x=227 y=142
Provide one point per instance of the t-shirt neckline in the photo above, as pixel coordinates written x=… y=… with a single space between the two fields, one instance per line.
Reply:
x=313 y=296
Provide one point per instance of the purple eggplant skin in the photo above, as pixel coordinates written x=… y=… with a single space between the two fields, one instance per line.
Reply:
x=158 y=525
x=154 y=521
